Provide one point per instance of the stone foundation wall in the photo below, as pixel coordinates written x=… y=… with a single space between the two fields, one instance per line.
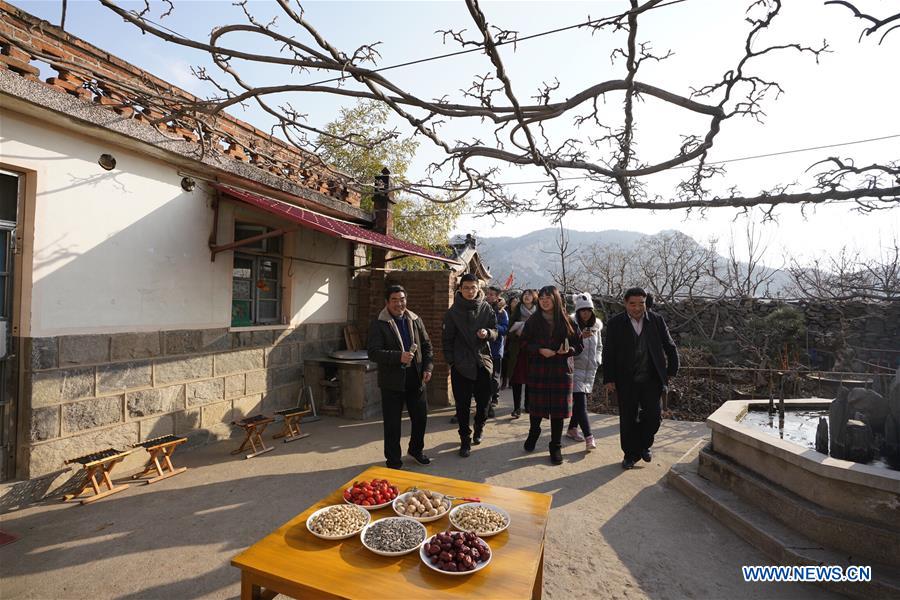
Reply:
x=84 y=393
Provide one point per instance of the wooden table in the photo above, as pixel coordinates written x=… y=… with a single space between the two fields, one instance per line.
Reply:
x=294 y=562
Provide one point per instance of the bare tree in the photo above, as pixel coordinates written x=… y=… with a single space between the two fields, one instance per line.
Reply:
x=744 y=278
x=845 y=275
x=605 y=150
x=560 y=277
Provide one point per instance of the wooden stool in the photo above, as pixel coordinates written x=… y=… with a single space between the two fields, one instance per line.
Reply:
x=160 y=448
x=102 y=463
x=292 y=419
x=253 y=427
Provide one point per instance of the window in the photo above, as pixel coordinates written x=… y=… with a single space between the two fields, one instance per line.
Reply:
x=256 y=280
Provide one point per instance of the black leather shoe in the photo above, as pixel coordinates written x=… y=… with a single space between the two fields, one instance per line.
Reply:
x=646 y=455
x=476 y=439
x=515 y=414
x=531 y=442
x=421 y=458
x=556 y=455
x=627 y=464
x=394 y=465
x=465 y=448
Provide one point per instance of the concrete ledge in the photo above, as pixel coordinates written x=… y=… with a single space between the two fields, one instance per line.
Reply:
x=874 y=541
x=779 y=543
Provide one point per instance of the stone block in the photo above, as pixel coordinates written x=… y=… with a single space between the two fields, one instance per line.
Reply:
x=256 y=382
x=205 y=392
x=247 y=406
x=90 y=414
x=312 y=331
x=281 y=398
x=236 y=362
x=285 y=376
x=51 y=456
x=125 y=346
x=297 y=353
x=234 y=386
x=156 y=427
x=53 y=387
x=195 y=341
x=216 y=414
x=170 y=370
x=291 y=336
x=44 y=423
x=83 y=349
x=116 y=377
x=279 y=355
x=250 y=339
x=145 y=403
x=187 y=420
x=44 y=353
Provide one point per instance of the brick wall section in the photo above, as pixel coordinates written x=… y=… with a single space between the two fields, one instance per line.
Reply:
x=93 y=75
x=90 y=392
x=429 y=295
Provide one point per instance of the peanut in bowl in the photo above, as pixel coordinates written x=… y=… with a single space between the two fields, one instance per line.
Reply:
x=480 y=518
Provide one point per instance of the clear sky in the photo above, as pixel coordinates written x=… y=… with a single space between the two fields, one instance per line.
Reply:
x=851 y=95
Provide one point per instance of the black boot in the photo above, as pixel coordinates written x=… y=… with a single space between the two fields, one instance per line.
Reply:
x=556 y=454
x=465 y=447
x=531 y=442
x=476 y=439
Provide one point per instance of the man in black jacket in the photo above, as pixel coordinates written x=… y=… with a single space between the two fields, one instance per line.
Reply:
x=469 y=326
x=639 y=356
x=399 y=344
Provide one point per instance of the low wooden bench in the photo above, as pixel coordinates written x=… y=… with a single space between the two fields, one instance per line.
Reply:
x=98 y=463
x=160 y=448
x=292 y=420
x=253 y=428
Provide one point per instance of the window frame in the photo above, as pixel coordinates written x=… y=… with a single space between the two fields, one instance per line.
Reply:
x=256 y=259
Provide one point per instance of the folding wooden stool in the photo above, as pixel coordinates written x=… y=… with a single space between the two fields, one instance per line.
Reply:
x=101 y=463
x=160 y=448
x=292 y=419
x=253 y=427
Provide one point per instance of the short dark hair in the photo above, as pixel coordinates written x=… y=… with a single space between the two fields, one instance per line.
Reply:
x=495 y=289
x=635 y=291
x=468 y=277
x=393 y=289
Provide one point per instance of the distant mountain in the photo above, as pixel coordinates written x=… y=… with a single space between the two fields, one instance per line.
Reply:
x=534 y=257
x=527 y=256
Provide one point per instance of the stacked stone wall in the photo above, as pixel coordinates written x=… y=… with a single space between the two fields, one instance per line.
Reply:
x=90 y=392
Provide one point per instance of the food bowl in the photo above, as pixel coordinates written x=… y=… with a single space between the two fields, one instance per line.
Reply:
x=374 y=483
x=321 y=511
x=405 y=497
x=480 y=532
x=419 y=526
x=423 y=554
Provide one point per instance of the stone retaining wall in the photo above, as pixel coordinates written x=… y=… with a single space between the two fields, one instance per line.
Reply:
x=90 y=392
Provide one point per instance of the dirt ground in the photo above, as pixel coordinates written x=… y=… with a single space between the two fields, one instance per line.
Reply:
x=612 y=533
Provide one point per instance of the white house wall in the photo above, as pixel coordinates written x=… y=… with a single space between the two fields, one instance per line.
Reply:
x=120 y=250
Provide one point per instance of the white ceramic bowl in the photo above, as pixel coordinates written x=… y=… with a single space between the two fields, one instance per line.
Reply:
x=427 y=560
x=362 y=536
x=456 y=510
x=440 y=515
x=373 y=507
x=336 y=537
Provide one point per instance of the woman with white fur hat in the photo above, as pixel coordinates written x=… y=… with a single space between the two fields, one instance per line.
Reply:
x=586 y=365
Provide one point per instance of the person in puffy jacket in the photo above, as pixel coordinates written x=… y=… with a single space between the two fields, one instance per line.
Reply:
x=586 y=365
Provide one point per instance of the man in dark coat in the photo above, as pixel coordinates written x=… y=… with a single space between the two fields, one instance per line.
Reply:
x=469 y=326
x=400 y=346
x=639 y=356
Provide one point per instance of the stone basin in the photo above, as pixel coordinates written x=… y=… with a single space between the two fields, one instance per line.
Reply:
x=862 y=491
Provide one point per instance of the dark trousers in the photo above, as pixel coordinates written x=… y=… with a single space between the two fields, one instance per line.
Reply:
x=463 y=390
x=579 y=414
x=517 y=396
x=392 y=411
x=640 y=412
x=556 y=427
x=496 y=378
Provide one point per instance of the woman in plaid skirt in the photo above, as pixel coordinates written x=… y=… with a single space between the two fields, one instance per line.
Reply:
x=551 y=340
